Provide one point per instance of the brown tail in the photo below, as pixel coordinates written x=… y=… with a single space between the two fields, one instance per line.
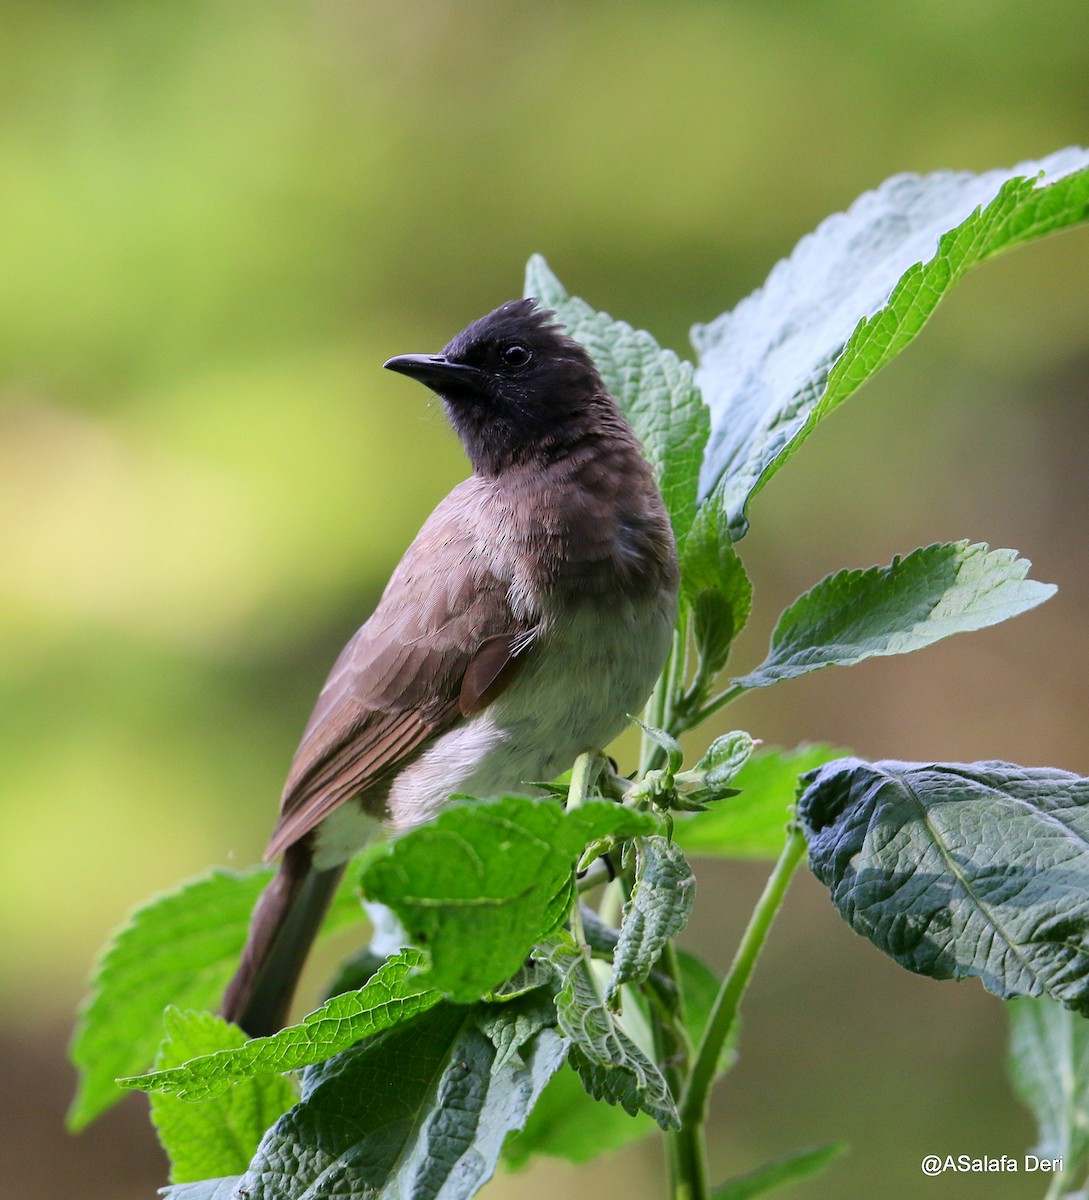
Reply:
x=285 y=923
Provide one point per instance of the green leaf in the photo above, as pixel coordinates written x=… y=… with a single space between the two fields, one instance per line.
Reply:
x=179 y=948
x=791 y=1168
x=205 y=1140
x=653 y=386
x=753 y=824
x=657 y=910
x=417 y=1112
x=915 y=601
x=610 y=1064
x=664 y=741
x=722 y=760
x=483 y=882
x=851 y=297
x=567 y=1122
x=397 y=992
x=513 y=1026
x=960 y=870
x=529 y=976
x=207 y=1189
x=1049 y=1066
x=715 y=587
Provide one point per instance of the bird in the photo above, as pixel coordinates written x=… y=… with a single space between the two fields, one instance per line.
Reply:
x=527 y=620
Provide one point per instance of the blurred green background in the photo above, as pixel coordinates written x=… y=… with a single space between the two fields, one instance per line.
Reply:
x=216 y=222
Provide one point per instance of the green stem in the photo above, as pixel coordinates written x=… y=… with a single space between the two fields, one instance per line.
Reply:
x=659 y=711
x=691 y=720
x=686 y=1150
x=686 y=1159
x=584 y=774
x=1059 y=1187
x=583 y=777
x=612 y=903
x=723 y=1016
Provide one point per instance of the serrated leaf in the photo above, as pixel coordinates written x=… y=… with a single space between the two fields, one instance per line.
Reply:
x=781 y=1172
x=850 y=297
x=1049 y=1066
x=715 y=587
x=397 y=992
x=419 y=1112
x=483 y=882
x=180 y=948
x=657 y=910
x=567 y=1122
x=959 y=870
x=210 y=1140
x=529 y=976
x=654 y=388
x=752 y=825
x=915 y=601
x=610 y=1064
x=514 y=1024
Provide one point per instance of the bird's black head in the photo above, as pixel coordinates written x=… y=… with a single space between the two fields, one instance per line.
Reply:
x=515 y=386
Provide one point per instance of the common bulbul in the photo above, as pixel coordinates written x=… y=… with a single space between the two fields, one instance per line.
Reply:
x=530 y=616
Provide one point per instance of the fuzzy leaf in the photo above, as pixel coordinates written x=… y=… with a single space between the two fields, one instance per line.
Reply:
x=1049 y=1066
x=715 y=586
x=567 y=1122
x=725 y=756
x=850 y=297
x=912 y=603
x=482 y=883
x=959 y=870
x=419 y=1112
x=753 y=824
x=659 y=907
x=207 y=1189
x=179 y=948
x=653 y=386
x=216 y=1139
x=396 y=992
x=610 y=1064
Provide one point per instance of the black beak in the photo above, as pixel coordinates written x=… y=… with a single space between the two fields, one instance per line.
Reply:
x=434 y=370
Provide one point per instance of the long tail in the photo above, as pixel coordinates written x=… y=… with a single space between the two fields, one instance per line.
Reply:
x=285 y=923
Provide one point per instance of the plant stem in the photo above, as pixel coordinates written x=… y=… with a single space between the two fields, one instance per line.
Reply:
x=686 y=1158
x=612 y=903
x=723 y=1016
x=659 y=710
x=691 y=720
x=686 y=1151
x=584 y=773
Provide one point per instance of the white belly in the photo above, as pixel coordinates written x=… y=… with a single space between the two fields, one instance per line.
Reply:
x=585 y=677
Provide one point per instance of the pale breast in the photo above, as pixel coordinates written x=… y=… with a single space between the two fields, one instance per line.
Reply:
x=591 y=668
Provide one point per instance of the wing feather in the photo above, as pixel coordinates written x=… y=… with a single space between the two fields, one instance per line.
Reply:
x=438 y=647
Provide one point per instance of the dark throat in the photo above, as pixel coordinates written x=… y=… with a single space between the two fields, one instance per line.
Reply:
x=518 y=437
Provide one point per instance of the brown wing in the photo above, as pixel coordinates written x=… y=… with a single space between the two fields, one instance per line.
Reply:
x=441 y=644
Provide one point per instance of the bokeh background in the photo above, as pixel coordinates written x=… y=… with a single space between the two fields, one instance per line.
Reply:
x=216 y=222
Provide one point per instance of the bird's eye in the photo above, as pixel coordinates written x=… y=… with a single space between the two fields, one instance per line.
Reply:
x=515 y=355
